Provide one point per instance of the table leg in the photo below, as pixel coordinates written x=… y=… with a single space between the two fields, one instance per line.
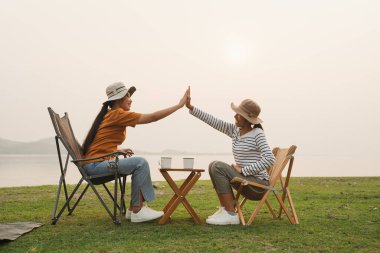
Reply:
x=167 y=209
x=187 y=205
x=179 y=197
x=173 y=185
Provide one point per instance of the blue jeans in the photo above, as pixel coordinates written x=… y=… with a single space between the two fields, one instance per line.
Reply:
x=138 y=167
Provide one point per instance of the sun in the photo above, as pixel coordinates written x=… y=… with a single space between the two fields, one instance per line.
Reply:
x=236 y=53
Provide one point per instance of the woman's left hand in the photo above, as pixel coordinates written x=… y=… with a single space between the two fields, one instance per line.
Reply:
x=236 y=167
x=128 y=151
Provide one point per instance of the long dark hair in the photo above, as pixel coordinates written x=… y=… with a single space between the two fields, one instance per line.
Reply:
x=258 y=126
x=94 y=128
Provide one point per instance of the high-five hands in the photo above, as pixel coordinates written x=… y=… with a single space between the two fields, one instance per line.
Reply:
x=185 y=97
x=188 y=102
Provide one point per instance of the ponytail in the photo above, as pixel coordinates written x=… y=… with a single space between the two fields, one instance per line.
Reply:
x=94 y=128
x=258 y=126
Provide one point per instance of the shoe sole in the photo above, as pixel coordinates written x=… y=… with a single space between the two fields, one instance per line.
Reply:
x=143 y=220
x=222 y=223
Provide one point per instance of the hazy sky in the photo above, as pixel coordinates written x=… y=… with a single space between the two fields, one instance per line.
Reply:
x=313 y=66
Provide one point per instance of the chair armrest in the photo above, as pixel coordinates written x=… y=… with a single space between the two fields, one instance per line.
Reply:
x=117 y=153
x=245 y=182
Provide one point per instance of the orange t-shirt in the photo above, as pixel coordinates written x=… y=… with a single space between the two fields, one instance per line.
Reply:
x=111 y=133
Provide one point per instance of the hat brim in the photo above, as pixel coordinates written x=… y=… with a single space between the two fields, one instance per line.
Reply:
x=253 y=120
x=122 y=94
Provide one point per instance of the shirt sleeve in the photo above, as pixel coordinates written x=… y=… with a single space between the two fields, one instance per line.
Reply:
x=220 y=125
x=267 y=158
x=124 y=118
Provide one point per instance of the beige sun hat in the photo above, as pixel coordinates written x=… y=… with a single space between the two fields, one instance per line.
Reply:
x=249 y=109
x=118 y=90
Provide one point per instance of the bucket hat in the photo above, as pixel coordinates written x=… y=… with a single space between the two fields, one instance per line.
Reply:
x=249 y=109
x=118 y=90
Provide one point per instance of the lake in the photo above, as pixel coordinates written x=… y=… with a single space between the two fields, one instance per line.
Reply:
x=29 y=170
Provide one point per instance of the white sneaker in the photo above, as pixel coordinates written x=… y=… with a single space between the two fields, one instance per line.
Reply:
x=220 y=209
x=128 y=214
x=146 y=214
x=223 y=218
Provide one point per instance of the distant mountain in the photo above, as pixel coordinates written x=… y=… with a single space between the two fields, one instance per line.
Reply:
x=44 y=146
x=47 y=146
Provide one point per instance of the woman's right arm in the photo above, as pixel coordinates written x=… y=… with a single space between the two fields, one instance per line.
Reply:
x=155 y=116
x=220 y=125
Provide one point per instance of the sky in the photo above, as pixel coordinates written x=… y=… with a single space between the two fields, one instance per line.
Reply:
x=313 y=66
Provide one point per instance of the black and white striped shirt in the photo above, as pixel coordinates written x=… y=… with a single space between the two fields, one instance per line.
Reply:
x=251 y=151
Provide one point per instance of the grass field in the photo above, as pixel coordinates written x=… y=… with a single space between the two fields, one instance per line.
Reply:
x=335 y=214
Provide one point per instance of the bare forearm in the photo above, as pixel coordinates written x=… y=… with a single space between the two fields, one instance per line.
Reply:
x=151 y=117
x=155 y=116
x=165 y=112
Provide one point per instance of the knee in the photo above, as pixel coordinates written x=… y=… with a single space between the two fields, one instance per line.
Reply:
x=143 y=165
x=212 y=167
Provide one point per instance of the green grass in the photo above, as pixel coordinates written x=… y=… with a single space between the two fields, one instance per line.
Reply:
x=335 y=214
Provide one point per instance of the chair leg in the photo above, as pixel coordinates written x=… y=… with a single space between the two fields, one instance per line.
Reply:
x=110 y=194
x=79 y=199
x=292 y=207
x=284 y=207
x=283 y=200
x=115 y=205
x=55 y=219
x=283 y=188
x=62 y=180
x=243 y=202
x=123 y=194
x=240 y=205
x=122 y=205
x=257 y=209
x=270 y=209
x=286 y=193
x=114 y=197
x=102 y=201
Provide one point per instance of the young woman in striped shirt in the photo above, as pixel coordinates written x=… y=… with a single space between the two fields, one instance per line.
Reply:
x=251 y=152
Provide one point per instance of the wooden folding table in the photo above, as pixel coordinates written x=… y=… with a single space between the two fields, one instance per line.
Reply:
x=180 y=193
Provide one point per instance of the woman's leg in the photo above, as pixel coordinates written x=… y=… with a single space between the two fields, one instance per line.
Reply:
x=142 y=188
x=210 y=170
x=221 y=175
x=136 y=209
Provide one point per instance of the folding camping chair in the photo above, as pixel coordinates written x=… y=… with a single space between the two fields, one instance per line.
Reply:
x=283 y=156
x=65 y=136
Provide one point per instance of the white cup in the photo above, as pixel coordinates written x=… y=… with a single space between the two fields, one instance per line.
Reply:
x=188 y=163
x=166 y=162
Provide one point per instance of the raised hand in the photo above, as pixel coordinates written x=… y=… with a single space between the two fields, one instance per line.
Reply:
x=188 y=101
x=185 y=97
x=158 y=115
